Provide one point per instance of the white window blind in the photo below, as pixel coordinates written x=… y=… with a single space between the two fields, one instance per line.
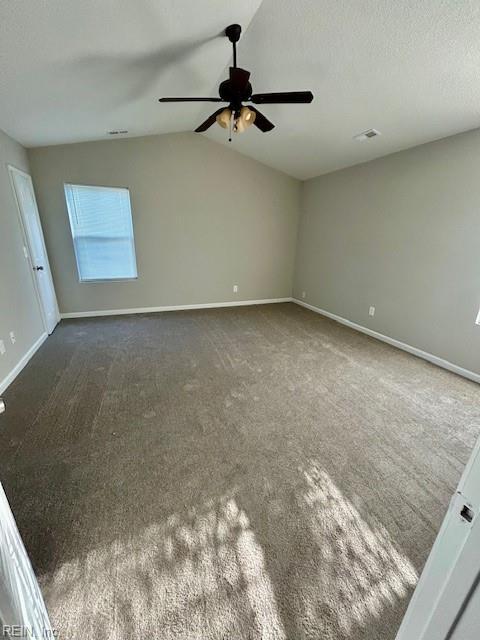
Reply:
x=102 y=232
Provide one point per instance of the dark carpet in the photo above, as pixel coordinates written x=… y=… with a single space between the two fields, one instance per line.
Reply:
x=257 y=472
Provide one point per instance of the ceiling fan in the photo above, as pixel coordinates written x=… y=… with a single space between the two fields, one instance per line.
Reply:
x=237 y=90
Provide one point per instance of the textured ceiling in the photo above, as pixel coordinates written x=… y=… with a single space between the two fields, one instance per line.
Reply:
x=71 y=71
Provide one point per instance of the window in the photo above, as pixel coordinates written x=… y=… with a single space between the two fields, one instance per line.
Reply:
x=102 y=232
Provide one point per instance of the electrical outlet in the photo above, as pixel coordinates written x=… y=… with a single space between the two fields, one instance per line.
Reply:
x=12 y=337
x=235 y=288
x=371 y=311
x=2 y=347
x=304 y=294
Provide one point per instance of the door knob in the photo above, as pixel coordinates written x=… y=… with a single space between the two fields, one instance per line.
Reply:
x=38 y=268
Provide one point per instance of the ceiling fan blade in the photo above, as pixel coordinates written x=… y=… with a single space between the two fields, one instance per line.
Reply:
x=261 y=121
x=191 y=100
x=284 y=97
x=208 y=122
x=239 y=78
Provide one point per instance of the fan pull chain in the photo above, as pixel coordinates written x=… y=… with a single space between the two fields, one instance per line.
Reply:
x=230 y=129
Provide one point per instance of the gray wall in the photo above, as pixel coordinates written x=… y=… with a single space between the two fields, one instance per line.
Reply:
x=401 y=233
x=205 y=218
x=19 y=309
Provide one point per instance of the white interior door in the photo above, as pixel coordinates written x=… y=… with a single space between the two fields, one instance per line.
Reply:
x=22 y=609
x=35 y=250
x=443 y=604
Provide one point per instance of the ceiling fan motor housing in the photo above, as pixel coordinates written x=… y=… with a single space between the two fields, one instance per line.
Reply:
x=234 y=96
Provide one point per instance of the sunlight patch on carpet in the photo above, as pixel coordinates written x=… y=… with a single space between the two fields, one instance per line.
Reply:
x=360 y=571
x=199 y=575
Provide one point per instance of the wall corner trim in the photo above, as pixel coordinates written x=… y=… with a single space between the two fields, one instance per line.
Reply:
x=440 y=362
x=178 y=307
x=10 y=377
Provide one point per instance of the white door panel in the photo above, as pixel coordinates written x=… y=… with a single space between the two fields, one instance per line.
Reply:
x=36 y=251
x=441 y=603
x=469 y=623
x=22 y=609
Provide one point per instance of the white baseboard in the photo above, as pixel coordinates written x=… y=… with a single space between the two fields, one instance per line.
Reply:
x=440 y=362
x=179 y=307
x=7 y=381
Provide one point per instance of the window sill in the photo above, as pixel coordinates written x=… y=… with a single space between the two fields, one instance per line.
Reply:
x=108 y=280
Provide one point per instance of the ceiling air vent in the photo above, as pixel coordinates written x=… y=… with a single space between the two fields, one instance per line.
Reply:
x=366 y=135
x=117 y=132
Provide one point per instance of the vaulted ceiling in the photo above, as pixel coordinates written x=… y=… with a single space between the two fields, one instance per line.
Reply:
x=72 y=71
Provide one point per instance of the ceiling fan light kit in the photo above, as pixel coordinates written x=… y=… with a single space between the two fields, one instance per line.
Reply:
x=235 y=91
x=241 y=120
x=224 y=118
x=244 y=120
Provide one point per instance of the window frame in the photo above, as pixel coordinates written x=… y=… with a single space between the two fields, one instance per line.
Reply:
x=100 y=186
